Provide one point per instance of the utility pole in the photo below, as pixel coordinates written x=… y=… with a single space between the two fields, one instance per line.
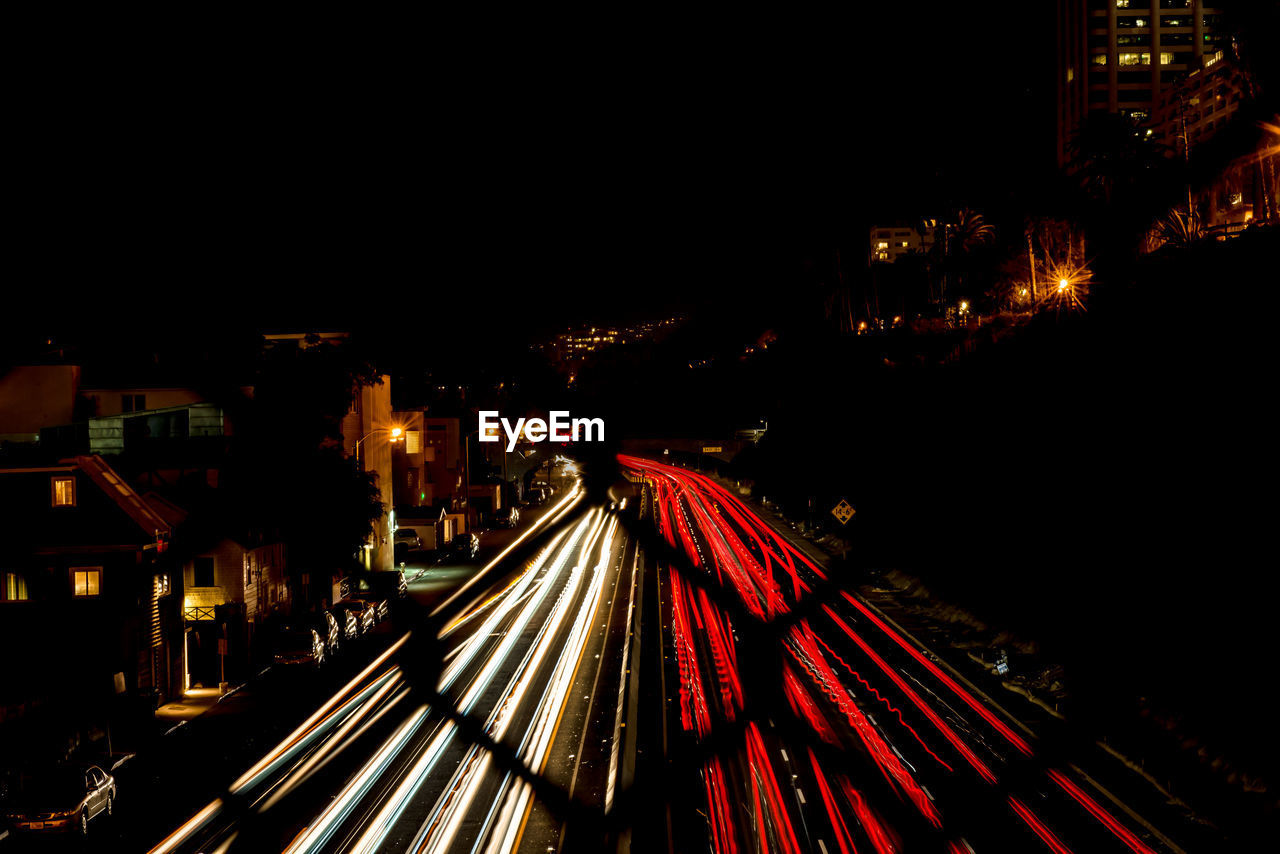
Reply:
x=844 y=298
x=1031 y=260
x=1186 y=154
x=466 y=462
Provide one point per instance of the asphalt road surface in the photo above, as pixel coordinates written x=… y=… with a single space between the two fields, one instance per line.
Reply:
x=833 y=729
x=700 y=684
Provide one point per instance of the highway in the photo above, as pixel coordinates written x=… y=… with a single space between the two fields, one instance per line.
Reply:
x=757 y=707
x=533 y=663
x=845 y=735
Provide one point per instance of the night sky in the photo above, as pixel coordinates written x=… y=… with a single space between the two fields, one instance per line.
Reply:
x=662 y=164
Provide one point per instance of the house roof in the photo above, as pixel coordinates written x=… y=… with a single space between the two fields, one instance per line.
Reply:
x=114 y=487
x=166 y=509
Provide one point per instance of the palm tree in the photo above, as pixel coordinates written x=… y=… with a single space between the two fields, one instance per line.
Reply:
x=957 y=240
x=1176 y=228
x=968 y=232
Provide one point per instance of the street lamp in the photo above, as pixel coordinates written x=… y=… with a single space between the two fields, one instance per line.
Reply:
x=1063 y=284
x=396 y=435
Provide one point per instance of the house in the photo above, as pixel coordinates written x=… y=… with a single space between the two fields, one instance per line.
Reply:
x=427 y=465
x=36 y=397
x=229 y=588
x=89 y=602
x=230 y=585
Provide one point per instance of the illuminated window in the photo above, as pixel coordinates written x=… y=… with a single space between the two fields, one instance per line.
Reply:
x=1098 y=59
x=64 y=492
x=1134 y=59
x=1122 y=4
x=15 y=588
x=1071 y=74
x=413 y=442
x=86 y=582
x=1166 y=58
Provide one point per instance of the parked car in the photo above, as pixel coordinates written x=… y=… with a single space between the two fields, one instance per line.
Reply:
x=63 y=800
x=507 y=517
x=390 y=584
x=408 y=537
x=381 y=610
x=537 y=495
x=348 y=622
x=362 y=611
x=461 y=547
x=329 y=629
x=299 y=645
x=406 y=540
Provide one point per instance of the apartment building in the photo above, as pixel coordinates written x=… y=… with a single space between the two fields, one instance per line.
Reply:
x=1118 y=56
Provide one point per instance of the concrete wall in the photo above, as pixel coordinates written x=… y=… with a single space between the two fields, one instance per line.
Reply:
x=108 y=401
x=228 y=572
x=35 y=396
x=370 y=419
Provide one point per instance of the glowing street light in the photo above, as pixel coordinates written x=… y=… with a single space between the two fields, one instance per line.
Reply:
x=394 y=434
x=1063 y=284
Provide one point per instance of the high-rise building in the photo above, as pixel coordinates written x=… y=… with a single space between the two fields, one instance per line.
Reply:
x=1117 y=55
x=1192 y=110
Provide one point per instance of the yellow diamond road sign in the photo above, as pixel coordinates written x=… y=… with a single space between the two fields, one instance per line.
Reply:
x=843 y=511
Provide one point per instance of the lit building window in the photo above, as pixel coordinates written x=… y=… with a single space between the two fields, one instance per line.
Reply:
x=64 y=492
x=412 y=442
x=1122 y=4
x=1166 y=58
x=1134 y=59
x=15 y=587
x=1098 y=59
x=86 y=582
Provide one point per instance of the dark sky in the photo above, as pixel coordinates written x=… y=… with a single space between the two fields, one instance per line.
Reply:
x=548 y=167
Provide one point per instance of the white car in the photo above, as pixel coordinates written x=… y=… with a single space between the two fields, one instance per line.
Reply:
x=409 y=538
